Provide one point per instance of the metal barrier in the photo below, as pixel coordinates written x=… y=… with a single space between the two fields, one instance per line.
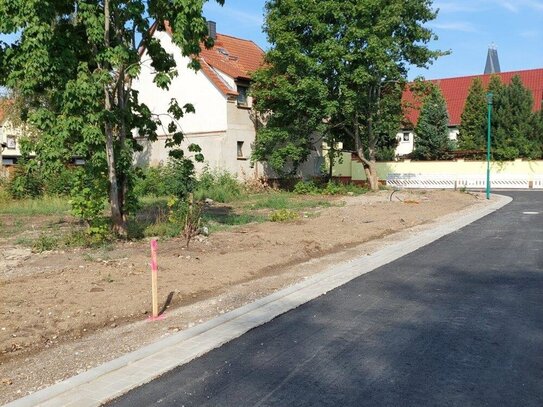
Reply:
x=469 y=181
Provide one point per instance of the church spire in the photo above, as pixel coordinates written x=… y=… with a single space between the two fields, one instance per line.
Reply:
x=492 y=61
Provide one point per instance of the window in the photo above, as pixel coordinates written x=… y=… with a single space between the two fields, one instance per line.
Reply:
x=406 y=136
x=242 y=95
x=11 y=143
x=240 y=149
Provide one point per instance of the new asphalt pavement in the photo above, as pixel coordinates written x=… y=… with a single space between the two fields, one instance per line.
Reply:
x=456 y=323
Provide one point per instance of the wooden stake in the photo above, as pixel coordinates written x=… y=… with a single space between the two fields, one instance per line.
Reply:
x=154 y=277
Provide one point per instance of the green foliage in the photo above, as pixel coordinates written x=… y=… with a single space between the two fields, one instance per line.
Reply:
x=219 y=186
x=306 y=188
x=284 y=215
x=336 y=70
x=432 y=131
x=88 y=199
x=45 y=243
x=513 y=133
x=473 y=126
x=32 y=207
x=177 y=179
x=26 y=182
x=72 y=70
x=330 y=188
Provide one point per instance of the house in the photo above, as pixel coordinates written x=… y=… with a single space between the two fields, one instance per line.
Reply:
x=455 y=91
x=223 y=123
x=9 y=143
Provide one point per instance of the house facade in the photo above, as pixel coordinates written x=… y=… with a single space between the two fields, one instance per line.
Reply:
x=223 y=123
x=9 y=142
x=455 y=91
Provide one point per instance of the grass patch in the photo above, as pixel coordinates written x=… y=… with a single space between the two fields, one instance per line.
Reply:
x=163 y=229
x=33 y=207
x=288 y=201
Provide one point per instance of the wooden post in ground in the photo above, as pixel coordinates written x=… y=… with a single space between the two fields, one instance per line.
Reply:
x=154 y=277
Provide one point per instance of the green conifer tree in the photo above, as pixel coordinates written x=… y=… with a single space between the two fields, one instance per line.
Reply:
x=473 y=124
x=512 y=122
x=432 y=132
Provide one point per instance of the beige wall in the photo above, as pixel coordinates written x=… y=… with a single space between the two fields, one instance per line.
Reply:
x=349 y=168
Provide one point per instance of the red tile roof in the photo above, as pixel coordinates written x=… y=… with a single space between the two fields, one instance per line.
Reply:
x=455 y=92
x=235 y=57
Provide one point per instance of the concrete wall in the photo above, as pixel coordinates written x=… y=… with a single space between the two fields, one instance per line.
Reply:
x=350 y=168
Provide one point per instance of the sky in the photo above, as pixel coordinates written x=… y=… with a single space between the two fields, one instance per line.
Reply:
x=465 y=27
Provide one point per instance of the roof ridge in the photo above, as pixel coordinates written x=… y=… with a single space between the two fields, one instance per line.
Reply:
x=482 y=75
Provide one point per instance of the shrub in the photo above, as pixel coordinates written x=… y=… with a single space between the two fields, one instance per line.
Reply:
x=26 y=182
x=61 y=182
x=306 y=188
x=219 y=186
x=45 y=243
x=284 y=215
x=176 y=179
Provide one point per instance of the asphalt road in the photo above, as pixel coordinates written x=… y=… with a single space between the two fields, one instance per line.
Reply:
x=456 y=323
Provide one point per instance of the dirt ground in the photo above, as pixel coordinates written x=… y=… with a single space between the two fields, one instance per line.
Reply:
x=64 y=312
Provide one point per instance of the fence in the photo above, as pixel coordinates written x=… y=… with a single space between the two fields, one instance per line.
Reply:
x=468 y=181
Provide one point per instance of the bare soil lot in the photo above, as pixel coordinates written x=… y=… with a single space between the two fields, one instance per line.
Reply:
x=63 y=312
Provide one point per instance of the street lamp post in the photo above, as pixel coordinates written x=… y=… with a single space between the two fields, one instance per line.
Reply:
x=489 y=104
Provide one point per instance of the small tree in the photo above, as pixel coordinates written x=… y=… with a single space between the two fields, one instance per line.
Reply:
x=432 y=132
x=472 y=135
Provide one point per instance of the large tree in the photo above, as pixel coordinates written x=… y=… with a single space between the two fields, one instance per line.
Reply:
x=512 y=121
x=336 y=69
x=432 y=131
x=473 y=125
x=73 y=66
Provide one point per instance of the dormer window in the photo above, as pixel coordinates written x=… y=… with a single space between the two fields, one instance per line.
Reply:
x=242 y=95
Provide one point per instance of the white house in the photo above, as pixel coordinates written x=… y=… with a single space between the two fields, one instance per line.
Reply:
x=223 y=122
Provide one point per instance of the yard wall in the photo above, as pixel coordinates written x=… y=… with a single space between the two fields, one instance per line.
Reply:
x=351 y=168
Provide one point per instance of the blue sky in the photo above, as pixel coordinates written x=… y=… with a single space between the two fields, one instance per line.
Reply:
x=466 y=27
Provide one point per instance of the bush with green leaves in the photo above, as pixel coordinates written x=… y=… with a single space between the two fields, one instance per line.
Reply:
x=306 y=188
x=284 y=215
x=220 y=186
x=177 y=178
x=26 y=182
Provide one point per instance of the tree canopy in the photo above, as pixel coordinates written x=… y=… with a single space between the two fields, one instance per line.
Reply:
x=336 y=70
x=514 y=125
x=73 y=66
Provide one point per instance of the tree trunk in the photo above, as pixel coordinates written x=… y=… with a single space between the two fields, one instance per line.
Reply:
x=117 y=218
x=370 y=169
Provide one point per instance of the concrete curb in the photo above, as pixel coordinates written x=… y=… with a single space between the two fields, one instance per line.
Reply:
x=112 y=379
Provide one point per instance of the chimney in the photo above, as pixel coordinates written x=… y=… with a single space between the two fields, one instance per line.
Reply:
x=212 y=29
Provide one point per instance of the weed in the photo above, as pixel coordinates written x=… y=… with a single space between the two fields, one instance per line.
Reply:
x=24 y=241
x=163 y=229
x=218 y=186
x=284 y=215
x=45 y=243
